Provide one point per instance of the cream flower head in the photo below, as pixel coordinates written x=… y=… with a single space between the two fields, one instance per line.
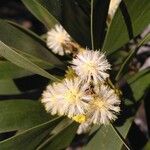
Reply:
x=50 y=99
x=113 y=7
x=57 y=38
x=104 y=106
x=73 y=97
x=90 y=66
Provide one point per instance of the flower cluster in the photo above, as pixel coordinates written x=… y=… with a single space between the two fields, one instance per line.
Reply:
x=84 y=95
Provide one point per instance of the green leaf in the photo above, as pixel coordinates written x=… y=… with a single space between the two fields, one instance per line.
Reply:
x=30 y=138
x=104 y=137
x=8 y=87
x=147 y=146
x=124 y=67
x=21 y=114
x=73 y=18
x=62 y=139
x=41 y=63
x=120 y=30
x=76 y=22
x=11 y=71
x=99 y=11
x=26 y=41
x=23 y=62
x=40 y=13
x=139 y=84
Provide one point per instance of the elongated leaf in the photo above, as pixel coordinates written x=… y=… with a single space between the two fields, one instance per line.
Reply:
x=21 y=114
x=24 y=40
x=25 y=30
x=23 y=62
x=76 y=22
x=69 y=13
x=124 y=67
x=41 y=63
x=63 y=138
x=104 y=137
x=11 y=71
x=40 y=12
x=85 y=5
x=99 y=12
x=8 y=87
x=30 y=138
x=119 y=31
x=139 y=84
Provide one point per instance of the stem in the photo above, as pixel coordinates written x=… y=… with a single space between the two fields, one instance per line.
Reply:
x=92 y=38
x=111 y=84
x=120 y=137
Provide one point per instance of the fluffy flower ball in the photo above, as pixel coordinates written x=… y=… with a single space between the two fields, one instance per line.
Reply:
x=57 y=38
x=50 y=99
x=66 y=98
x=91 y=66
x=104 y=105
x=73 y=96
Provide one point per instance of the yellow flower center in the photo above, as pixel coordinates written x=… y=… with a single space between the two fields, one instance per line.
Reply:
x=89 y=66
x=98 y=103
x=72 y=95
x=53 y=98
x=60 y=38
x=79 y=118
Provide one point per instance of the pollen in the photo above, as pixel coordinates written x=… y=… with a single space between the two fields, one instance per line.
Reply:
x=89 y=66
x=98 y=103
x=79 y=118
x=70 y=73
x=72 y=95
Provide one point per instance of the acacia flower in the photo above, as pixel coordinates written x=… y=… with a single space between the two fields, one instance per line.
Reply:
x=90 y=66
x=73 y=96
x=104 y=105
x=57 y=39
x=50 y=99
